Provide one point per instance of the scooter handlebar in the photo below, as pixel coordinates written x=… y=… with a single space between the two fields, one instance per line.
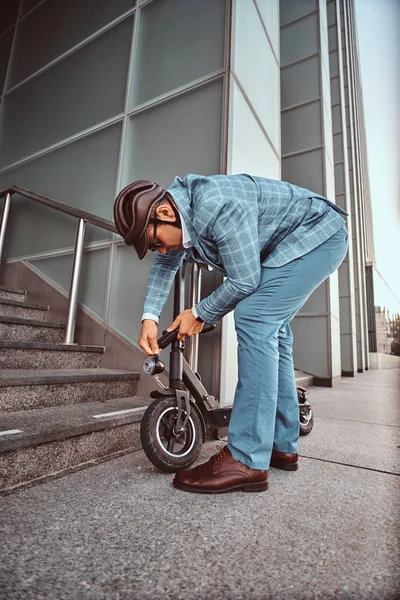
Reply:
x=170 y=336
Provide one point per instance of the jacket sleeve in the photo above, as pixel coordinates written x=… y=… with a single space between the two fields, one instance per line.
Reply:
x=160 y=280
x=235 y=232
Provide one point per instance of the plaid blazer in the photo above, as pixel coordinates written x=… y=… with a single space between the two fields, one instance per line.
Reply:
x=231 y=219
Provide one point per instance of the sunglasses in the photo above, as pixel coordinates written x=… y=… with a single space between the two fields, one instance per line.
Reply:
x=156 y=244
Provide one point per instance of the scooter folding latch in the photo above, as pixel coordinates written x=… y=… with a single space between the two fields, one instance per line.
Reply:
x=210 y=402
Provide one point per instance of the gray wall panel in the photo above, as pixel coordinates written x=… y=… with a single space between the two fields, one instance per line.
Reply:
x=92 y=292
x=65 y=99
x=335 y=91
x=299 y=40
x=27 y=5
x=300 y=82
x=65 y=24
x=5 y=48
x=333 y=64
x=301 y=128
x=311 y=337
x=290 y=10
x=8 y=14
x=128 y=291
x=178 y=42
x=81 y=174
x=176 y=137
x=305 y=170
x=318 y=301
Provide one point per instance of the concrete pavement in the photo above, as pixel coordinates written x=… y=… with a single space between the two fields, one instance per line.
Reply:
x=119 y=530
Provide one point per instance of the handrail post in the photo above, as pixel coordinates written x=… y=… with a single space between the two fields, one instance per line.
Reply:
x=75 y=278
x=195 y=281
x=3 y=224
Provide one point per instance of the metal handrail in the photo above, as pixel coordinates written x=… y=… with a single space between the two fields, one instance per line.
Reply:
x=60 y=206
x=84 y=218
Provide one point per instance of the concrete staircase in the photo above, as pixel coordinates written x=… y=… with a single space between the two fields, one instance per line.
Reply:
x=59 y=410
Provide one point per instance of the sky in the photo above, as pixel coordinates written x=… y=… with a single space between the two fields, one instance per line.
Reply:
x=378 y=28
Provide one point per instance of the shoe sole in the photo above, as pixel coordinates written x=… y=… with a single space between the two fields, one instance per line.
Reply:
x=251 y=487
x=285 y=466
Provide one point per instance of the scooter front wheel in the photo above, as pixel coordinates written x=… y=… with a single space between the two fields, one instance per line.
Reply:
x=168 y=450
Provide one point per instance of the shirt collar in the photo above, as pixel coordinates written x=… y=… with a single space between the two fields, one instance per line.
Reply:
x=186 y=240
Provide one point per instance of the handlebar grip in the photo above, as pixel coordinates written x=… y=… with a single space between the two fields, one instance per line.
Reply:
x=167 y=338
x=170 y=336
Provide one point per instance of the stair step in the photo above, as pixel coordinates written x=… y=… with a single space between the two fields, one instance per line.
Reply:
x=38 y=443
x=304 y=379
x=39 y=355
x=29 y=389
x=10 y=294
x=30 y=330
x=22 y=310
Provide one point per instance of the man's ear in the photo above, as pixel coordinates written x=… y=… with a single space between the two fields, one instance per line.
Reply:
x=165 y=212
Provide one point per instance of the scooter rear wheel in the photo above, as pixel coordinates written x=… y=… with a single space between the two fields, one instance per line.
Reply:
x=168 y=451
x=306 y=419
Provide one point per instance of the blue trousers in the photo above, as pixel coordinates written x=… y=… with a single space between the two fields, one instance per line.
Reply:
x=265 y=412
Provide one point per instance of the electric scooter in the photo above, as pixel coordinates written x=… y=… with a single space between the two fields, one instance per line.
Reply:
x=175 y=425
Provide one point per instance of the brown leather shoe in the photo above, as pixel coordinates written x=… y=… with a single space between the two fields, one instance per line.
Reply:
x=222 y=473
x=284 y=460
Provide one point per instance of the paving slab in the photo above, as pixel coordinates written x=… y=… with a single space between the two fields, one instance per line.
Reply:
x=366 y=445
x=121 y=531
x=372 y=397
x=358 y=422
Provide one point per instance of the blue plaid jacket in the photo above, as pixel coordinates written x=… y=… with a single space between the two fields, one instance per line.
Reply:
x=231 y=219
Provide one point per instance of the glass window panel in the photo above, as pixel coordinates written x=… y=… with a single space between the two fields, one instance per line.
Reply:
x=336 y=119
x=27 y=5
x=338 y=147
x=81 y=174
x=339 y=179
x=66 y=24
x=300 y=82
x=8 y=14
x=82 y=90
x=344 y=278
x=305 y=170
x=129 y=281
x=5 y=47
x=301 y=128
x=333 y=64
x=176 y=137
x=178 y=42
x=93 y=284
x=335 y=90
x=250 y=151
x=317 y=302
x=299 y=40
x=260 y=79
x=290 y=10
x=332 y=35
x=331 y=14
x=310 y=346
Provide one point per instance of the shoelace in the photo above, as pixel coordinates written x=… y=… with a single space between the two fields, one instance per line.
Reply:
x=221 y=454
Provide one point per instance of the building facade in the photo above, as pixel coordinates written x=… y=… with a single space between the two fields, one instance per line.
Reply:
x=96 y=94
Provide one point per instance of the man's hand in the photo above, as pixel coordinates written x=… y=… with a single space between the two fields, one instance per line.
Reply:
x=187 y=323
x=148 y=337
